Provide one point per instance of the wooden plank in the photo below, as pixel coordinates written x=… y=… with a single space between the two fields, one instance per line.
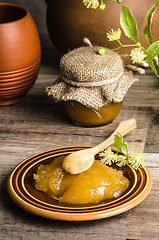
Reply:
x=144 y=219
x=152 y=139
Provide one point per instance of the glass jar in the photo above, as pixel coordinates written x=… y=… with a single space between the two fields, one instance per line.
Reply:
x=88 y=117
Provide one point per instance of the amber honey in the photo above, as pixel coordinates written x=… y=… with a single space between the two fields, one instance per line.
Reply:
x=98 y=183
x=84 y=116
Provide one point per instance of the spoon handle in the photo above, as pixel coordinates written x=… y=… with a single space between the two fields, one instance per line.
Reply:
x=123 y=128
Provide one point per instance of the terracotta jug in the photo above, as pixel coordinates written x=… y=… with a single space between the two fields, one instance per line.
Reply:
x=19 y=39
x=20 y=53
x=69 y=21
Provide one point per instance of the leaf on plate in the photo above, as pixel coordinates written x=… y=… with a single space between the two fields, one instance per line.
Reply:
x=118 y=142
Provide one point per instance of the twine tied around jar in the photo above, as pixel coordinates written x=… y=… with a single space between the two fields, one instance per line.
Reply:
x=91 y=79
x=91 y=84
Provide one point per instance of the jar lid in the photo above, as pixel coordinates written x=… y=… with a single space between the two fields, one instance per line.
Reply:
x=90 y=78
x=84 y=66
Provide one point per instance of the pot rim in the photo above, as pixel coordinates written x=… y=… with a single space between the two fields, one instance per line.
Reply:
x=18 y=7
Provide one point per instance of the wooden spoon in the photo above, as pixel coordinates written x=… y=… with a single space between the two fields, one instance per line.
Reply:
x=82 y=160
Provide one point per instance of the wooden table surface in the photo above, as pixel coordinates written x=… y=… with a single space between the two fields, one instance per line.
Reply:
x=36 y=124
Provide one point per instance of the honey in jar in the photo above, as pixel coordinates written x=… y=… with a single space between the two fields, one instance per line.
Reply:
x=89 y=117
x=91 y=86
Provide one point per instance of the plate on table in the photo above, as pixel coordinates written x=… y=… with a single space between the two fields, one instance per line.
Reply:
x=23 y=193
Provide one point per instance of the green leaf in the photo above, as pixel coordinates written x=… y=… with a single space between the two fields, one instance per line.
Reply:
x=149 y=17
x=129 y=24
x=151 y=53
x=118 y=142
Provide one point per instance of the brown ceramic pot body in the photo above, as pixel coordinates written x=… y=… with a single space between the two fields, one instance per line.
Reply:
x=69 y=21
x=20 y=53
x=19 y=39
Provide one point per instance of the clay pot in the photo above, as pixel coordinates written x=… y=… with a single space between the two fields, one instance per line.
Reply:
x=70 y=21
x=20 y=53
x=13 y=87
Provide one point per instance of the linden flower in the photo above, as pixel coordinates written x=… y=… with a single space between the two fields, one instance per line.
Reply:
x=137 y=55
x=113 y=35
x=91 y=3
x=109 y=157
x=136 y=160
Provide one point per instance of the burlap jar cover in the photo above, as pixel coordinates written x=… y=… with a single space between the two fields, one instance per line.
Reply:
x=91 y=79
